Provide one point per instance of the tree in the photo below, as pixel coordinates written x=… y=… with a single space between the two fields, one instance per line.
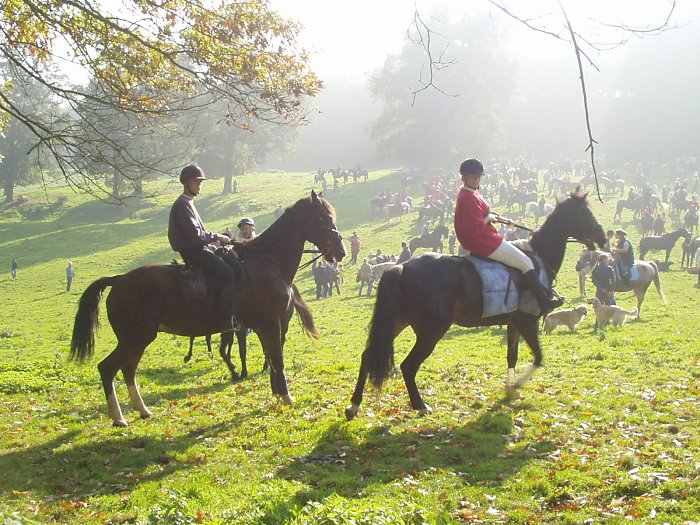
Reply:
x=435 y=126
x=18 y=161
x=148 y=60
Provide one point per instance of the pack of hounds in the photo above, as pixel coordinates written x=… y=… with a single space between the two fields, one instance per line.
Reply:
x=604 y=315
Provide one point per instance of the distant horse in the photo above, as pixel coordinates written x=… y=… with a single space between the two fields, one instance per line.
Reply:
x=377 y=203
x=397 y=210
x=631 y=204
x=150 y=299
x=432 y=241
x=538 y=211
x=521 y=198
x=430 y=292
x=612 y=185
x=690 y=218
x=664 y=242
x=648 y=273
x=436 y=211
x=690 y=248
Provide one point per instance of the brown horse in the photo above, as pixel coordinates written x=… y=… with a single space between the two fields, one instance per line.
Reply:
x=149 y=300
x=430 y=292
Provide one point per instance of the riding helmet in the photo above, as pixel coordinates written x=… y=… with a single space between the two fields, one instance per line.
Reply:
x=191 y=172
x=246 y=220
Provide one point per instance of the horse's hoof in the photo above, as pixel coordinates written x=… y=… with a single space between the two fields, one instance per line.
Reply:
x=235 y=377
x=351 y=411
x=426 y=410
x=287 y=399
x=512 y=392
x=146 y=414
x=120 y=423
x=187 y=358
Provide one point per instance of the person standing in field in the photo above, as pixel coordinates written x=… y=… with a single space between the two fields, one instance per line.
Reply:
x=603 y=277
x=354 y=247
x=70 y=273
x=13 y=268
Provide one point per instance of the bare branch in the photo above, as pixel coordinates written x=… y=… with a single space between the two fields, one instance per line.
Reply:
x=423 y=38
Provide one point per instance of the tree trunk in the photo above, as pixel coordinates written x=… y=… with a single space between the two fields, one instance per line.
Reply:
x=115 y=186
x=138 y=187
x=228 y=186
x=9 y=189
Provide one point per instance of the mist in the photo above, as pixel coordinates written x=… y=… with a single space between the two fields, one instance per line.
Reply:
x=643 y=105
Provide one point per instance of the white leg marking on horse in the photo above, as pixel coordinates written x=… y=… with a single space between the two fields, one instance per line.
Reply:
x=425 y=411
x=525 y=376
x=137 y=401
x=351 y=411
x=114 y=410
x=287 y=399
x=510 y=377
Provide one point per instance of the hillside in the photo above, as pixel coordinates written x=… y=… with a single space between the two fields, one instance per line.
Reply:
x=606 y=431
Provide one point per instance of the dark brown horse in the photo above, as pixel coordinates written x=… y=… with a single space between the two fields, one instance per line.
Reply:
x=149 y=300
x=430 y=292
x=241 y=337
x=432 y=241
x=662 y=242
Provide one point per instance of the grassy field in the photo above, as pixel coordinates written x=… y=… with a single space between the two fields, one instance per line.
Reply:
x=606 y=432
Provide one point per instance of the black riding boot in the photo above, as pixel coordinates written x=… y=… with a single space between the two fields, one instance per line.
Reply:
x=228 y=321
x=546 y=300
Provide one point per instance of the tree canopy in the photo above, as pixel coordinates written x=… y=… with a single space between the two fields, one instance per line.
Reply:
x=144 y=62
x=435 y=126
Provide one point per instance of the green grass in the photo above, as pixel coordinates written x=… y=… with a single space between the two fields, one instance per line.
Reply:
x=606 y=432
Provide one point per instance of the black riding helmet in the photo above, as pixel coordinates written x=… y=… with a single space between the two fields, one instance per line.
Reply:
x=191 y=172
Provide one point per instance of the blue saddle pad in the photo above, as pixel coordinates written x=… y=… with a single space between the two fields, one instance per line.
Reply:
x=634 y=273
x=499 y=292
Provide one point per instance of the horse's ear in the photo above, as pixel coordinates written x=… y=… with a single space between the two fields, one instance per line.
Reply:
x=314 y=197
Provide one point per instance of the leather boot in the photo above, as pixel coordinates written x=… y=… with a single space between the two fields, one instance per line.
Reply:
x=545 y=299
x=228 y=321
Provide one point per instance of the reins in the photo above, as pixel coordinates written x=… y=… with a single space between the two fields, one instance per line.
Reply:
x=313 y=259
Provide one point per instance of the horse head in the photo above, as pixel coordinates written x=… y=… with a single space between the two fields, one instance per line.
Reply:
x=574 y=217
x=320 y=228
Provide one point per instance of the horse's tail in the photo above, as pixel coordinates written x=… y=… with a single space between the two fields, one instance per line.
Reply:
x=378 y=357
x=657 y=282
x=87 y=320
x=304 y=313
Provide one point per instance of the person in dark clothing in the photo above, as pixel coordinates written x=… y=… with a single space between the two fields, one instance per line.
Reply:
x=405 y=254
x=189 y=237
x=321 y=278
x=624 y=255
x=603 y=278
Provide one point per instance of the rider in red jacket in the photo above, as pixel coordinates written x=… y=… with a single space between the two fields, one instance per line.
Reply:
x=473 y=220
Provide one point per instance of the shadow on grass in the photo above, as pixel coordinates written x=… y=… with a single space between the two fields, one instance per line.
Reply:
x=61 y=470
x=339 y=464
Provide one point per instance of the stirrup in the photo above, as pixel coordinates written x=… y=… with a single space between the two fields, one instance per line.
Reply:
x=232 y=325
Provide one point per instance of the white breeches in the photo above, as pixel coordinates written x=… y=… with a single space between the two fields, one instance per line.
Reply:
x=509 y=255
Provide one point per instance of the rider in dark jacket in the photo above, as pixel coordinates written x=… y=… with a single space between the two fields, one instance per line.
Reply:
x=187 y=235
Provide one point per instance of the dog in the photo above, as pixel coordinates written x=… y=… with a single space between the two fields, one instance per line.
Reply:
x=569 y=317
x=605 y=314
x=663 y=266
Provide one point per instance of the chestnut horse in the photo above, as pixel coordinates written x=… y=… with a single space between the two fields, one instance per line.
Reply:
x=430 y=292
x=150 y=299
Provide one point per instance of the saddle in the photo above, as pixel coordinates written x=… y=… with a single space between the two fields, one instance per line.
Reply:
x=193 y=282
x=502 y=287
